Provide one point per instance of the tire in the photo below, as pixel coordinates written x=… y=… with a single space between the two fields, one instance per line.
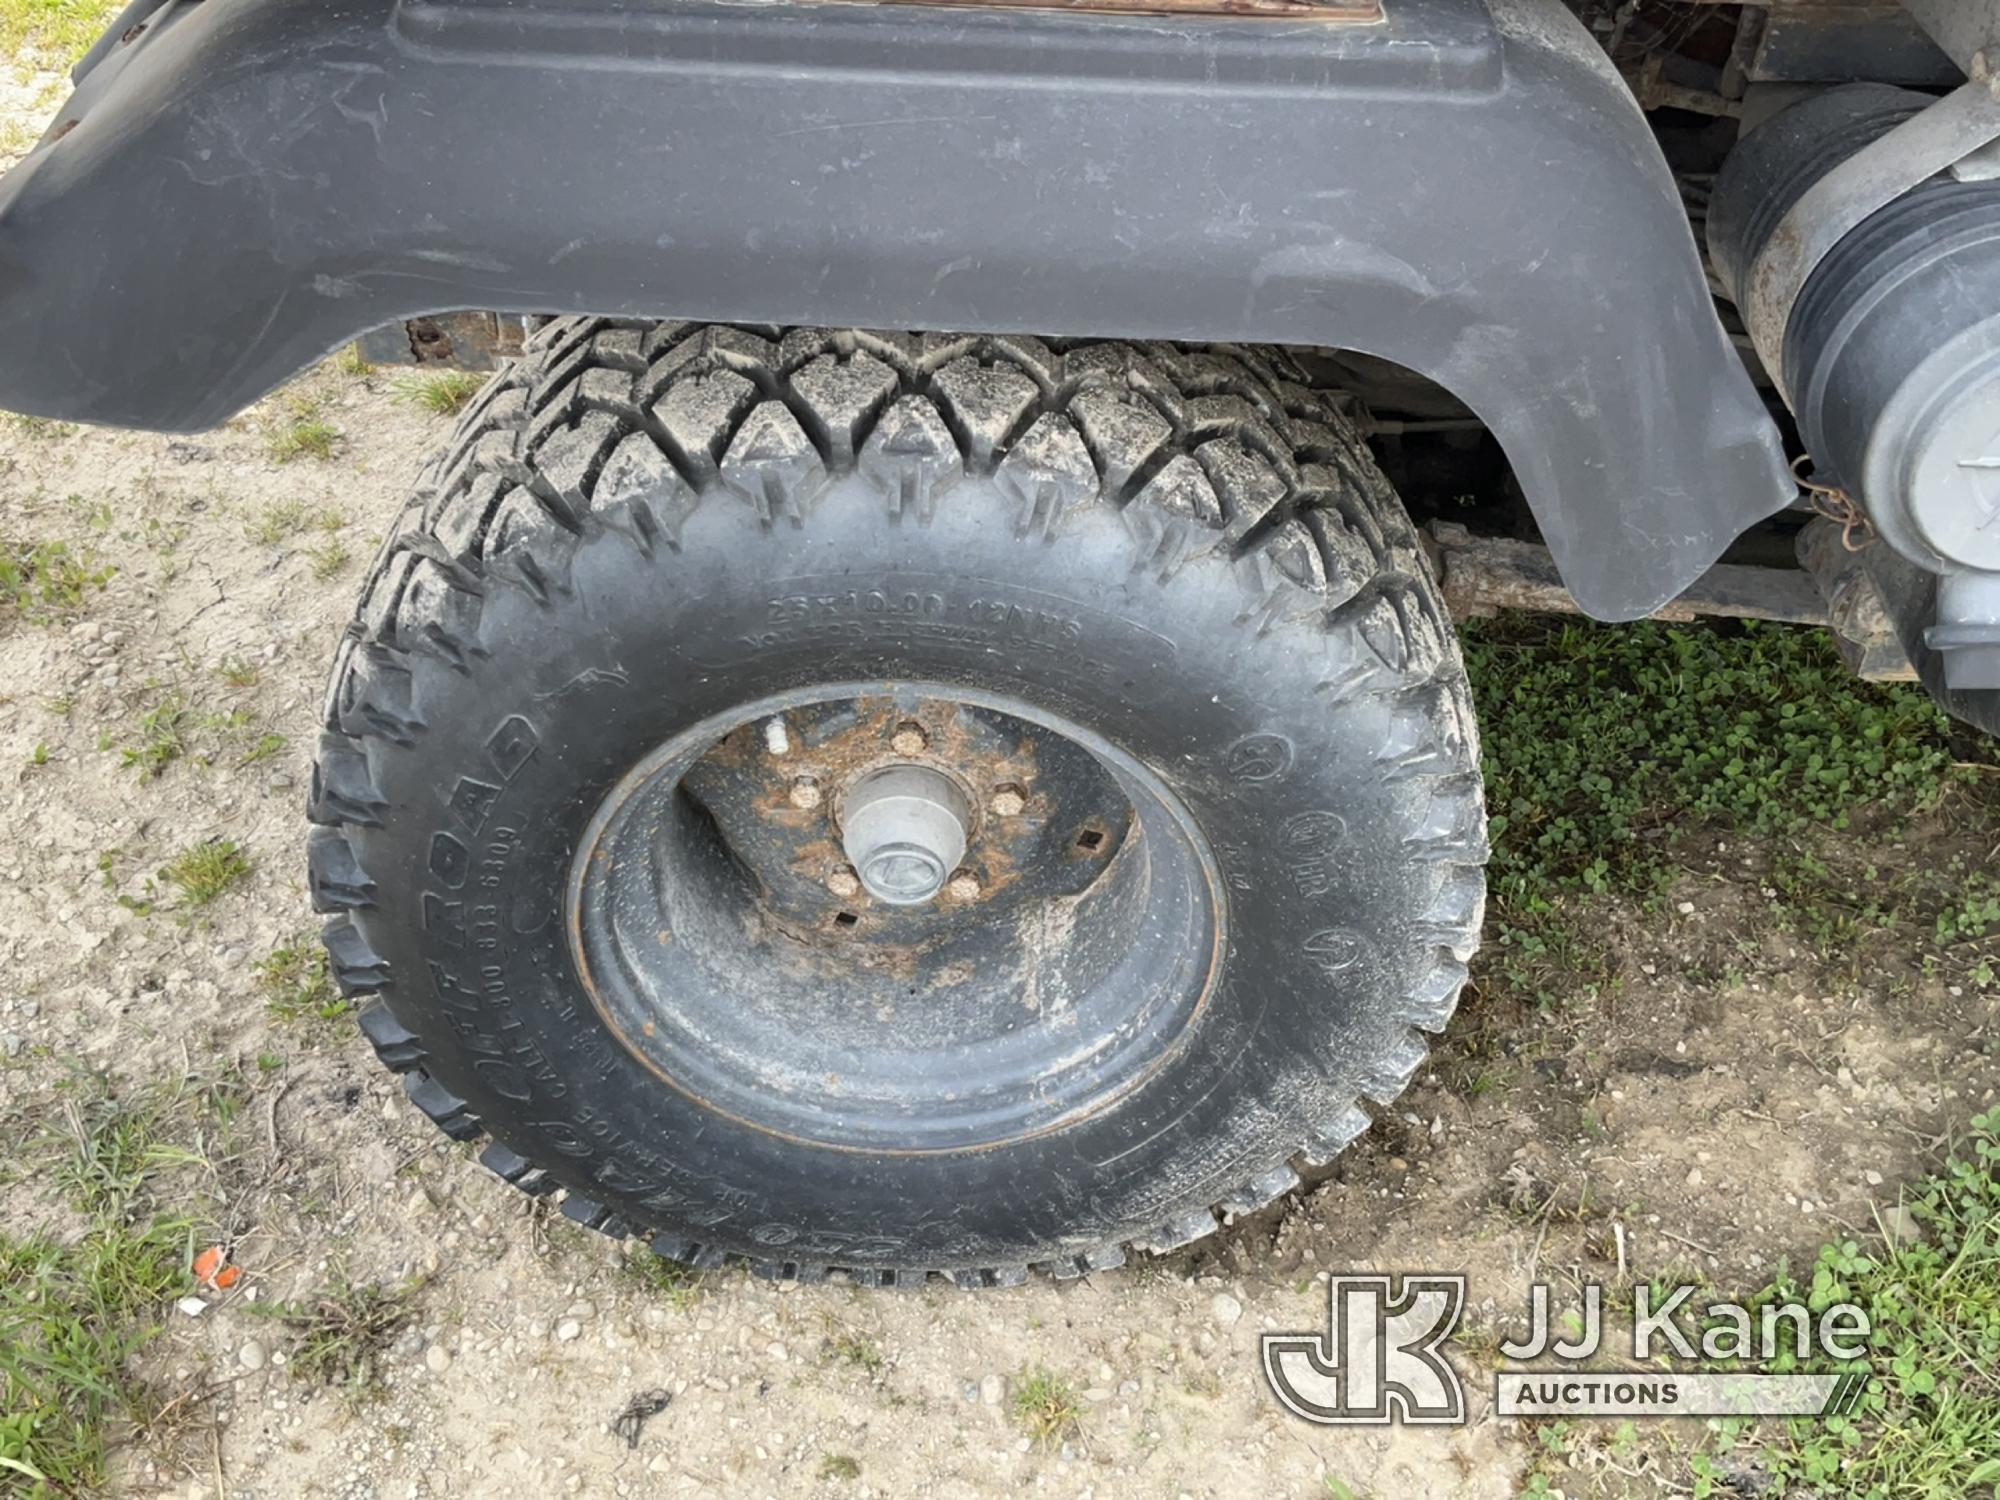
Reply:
x=1185 y=556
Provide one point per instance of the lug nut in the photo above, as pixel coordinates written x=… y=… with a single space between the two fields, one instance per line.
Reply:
x=844 y=882
x=777 y=738
x=805 y=792
x=964 y=886
x=1008 y=801
x=909 y=739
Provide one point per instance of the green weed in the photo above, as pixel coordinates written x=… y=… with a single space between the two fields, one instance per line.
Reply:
x=202 y=872
x=282 y=520
x=301 y=432
x=297 y=985
x=1609 y=748
x=1046 y=1406
x=847 y=1346
x=444 y=393
x=72 y=1316
x=329 y=558
x=352 y=363
x=341 y=1333
x=680 y=1285
x=1928 y=1423
x=1604 y=743
x=110 y=1147
x=163 y=736
x=56 y=31
x=46 y=580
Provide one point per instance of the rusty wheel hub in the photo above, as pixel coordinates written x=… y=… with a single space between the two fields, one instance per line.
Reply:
x=891 y=917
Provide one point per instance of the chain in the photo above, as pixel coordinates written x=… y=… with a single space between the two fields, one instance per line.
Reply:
x=1839 y=507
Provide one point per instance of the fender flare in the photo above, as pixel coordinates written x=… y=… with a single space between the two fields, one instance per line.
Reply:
x=1464 y=187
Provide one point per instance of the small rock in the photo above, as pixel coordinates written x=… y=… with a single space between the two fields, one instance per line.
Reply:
x=11 y=1043
x=1873 y=1179
x=191 y=1307
x=252 y=1355
x=1901 y=1225
x=567 y=1329
x=1694 y=1177
x=993 y=1389
x=437 y=1359
x=1225 y=1309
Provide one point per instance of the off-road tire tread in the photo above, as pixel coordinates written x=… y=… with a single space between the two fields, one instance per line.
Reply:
x=1216 y=456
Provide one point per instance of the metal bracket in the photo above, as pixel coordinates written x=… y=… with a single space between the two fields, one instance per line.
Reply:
x=1967 y=31
x=1928 y=143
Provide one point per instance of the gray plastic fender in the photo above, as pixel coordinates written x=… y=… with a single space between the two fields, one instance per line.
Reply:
x=1466 y=188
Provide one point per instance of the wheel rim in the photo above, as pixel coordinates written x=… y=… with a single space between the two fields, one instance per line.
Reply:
x=721 y=929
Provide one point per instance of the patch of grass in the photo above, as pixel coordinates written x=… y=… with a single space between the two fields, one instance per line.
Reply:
x=340 y=1335
x=298 y=986
x=202 y=872
x=163 y=732
x=1046 y=1407
x=329 y=558
x=301 y=432
x=1928 y=1423
x=266 y=746
x=57 y=31
x=444 y=393
x=72 y=1316
x=109 y=1148
x=174 y=728
x=681 y=1285
x=839 y=1466
x=77 y=1304
x=96 y=514
x=849 y=1347
x=43 y=581
x=1605 y=742
x=1608 y=747
x=352 y=363
x=42 y=429
x=282 y=520
x=237 y=672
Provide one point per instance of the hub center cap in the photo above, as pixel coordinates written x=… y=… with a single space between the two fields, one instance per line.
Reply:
x=904 y=830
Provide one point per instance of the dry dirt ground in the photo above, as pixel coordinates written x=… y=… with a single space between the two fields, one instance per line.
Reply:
x=1722 y=1102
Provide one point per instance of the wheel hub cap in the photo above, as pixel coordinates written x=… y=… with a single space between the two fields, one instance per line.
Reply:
x=904 y=830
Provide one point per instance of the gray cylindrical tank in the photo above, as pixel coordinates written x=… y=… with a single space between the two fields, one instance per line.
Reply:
x=1892 y=354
